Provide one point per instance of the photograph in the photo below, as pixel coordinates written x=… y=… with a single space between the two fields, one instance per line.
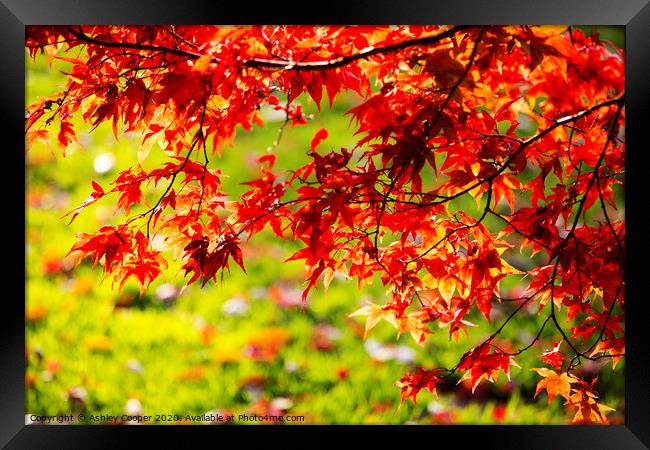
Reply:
x=325 y=224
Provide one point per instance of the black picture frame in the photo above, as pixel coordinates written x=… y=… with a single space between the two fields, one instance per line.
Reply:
x=634 y=15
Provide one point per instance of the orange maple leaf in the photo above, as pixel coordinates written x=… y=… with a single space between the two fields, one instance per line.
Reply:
x=554 y=383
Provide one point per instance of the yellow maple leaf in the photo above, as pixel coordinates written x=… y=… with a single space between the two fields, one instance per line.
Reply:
x=446 y=287
x=202 y=64
x=375 y=313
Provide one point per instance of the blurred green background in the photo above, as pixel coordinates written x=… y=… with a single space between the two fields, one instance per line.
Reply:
x=244 y=345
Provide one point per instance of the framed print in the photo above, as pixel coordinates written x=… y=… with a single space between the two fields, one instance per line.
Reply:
x=386 y=215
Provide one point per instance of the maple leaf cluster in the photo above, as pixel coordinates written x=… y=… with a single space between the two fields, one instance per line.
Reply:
x=526 y=121
x=579 y=395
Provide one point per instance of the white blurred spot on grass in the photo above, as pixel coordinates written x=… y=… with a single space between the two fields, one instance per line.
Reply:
x=235 y=306
x=104 y=163
x=134 y=407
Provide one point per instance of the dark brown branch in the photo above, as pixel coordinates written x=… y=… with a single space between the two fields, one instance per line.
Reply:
x=621 y=251
x=610 y=310
x=261 y=63
x=380 y=213
x=197 y=137
x=458 y=82
x=562 y=246
x=344 y=60
x=564 y=120
x=82 y=37
x=171 y=182
x=273 y=209
x=205 y=157
x=491 y=211
x=177 y=36
x=455 y=230
x=503 y=325
x=535 y=339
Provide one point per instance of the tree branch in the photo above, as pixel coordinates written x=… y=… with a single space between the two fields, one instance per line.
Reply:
x=81 y=36
x=344 y=60
x=261 y=63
